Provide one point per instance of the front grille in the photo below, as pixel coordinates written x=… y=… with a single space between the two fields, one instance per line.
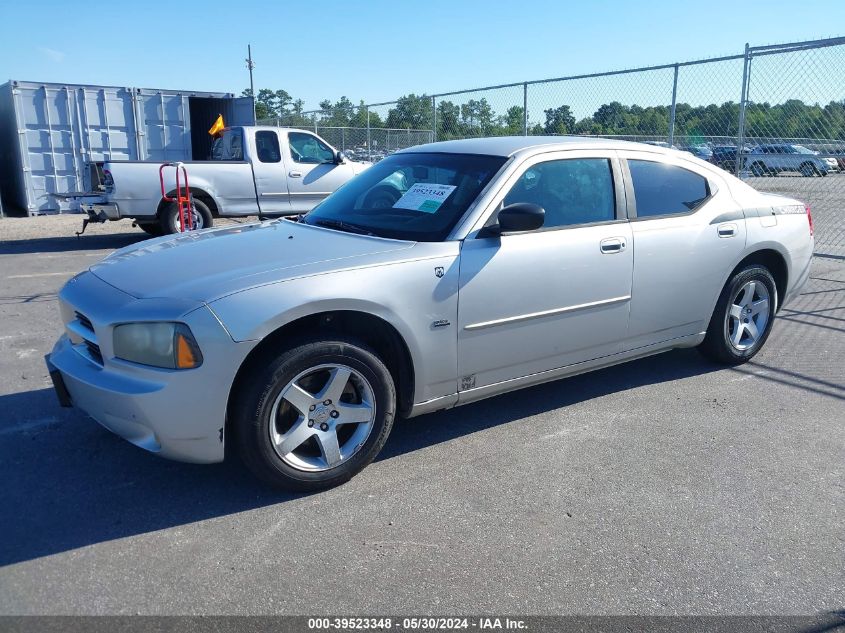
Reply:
x=84 y=321
x=94 y=352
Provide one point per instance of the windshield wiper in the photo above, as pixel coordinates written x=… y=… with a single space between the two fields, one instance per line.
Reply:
x=343 y=226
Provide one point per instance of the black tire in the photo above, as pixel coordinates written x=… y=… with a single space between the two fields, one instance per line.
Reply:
x=717 y=343
x=169 y=217
x=263 y=385
x=151 y=228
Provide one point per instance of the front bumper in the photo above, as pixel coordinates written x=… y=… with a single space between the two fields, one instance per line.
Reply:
x=178 y=414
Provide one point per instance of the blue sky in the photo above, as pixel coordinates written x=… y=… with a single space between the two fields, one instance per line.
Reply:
x=378 y=50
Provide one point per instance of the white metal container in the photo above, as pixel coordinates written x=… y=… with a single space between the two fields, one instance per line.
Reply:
x=51 y=134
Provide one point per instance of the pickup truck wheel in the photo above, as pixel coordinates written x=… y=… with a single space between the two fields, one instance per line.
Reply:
x=169 y=217
x=743 y=317
x=314 y=416
x=151 y=228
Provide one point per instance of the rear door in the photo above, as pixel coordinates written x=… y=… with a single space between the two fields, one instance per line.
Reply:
x=311 y=171
x=270 y=170
x=687 y=233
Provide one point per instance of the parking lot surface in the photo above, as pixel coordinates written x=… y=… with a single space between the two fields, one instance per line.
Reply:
x=668 y=485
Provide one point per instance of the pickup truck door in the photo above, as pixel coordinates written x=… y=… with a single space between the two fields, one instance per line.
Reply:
x=311 y=171
x=269 y=168
x=536 y=301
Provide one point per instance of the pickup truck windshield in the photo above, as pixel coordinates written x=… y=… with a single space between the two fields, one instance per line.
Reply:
x=408 y=196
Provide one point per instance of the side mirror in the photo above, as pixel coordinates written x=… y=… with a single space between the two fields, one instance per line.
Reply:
x=339 y=158
x=521 y=216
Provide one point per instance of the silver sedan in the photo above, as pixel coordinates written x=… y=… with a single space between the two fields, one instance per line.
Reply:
x=444 y=274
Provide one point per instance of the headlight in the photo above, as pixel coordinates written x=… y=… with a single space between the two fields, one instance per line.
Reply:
x=167 y=345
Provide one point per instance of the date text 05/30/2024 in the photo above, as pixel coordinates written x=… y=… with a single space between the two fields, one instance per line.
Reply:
x=416 y=624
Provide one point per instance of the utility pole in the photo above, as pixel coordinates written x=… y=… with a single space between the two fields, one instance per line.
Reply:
x=250 y=65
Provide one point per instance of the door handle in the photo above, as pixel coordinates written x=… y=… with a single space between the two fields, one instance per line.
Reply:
x=727 y=230
x=295 y=174
x=612 y=245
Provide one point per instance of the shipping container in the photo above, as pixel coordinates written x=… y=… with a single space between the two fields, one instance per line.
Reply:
x=52 y=135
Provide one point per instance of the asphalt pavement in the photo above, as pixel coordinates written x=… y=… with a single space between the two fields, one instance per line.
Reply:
x=668 y=485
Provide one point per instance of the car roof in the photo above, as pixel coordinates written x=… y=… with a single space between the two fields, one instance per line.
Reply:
x=507 y=146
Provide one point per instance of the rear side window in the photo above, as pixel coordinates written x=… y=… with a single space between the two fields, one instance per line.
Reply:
x=661 y=189
x=267 y=147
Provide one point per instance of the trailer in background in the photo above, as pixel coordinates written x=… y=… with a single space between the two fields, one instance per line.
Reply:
x=53 y=135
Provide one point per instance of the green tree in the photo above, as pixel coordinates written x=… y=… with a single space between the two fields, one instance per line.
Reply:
x=448 y=121
x=559 y=120
x=411 y=112
x=512 y=121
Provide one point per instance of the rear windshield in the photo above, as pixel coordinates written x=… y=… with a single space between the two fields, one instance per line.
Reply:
x=229 y=146
x=409 y=196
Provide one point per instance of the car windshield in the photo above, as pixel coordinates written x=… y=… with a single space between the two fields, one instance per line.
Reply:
x=408 y=196
x=803 y=150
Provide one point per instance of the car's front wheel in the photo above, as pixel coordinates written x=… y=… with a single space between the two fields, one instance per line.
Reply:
x=743 y=317
x=314 y=415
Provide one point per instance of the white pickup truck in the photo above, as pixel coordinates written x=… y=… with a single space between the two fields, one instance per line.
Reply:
x=254 y=170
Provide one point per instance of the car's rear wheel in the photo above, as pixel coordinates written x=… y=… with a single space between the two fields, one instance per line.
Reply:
x=743 y=317
x=170 y=222
x=314 y=415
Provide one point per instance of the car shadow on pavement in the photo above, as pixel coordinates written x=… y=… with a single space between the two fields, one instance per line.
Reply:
x=71 y=243
x=70 y=483
x=442 y=426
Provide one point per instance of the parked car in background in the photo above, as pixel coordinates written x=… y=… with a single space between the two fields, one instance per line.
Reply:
x=254 y=170
x=839 y=156
x=507 y=263
x=699 y=151
x=772 y=159
x=724 y=156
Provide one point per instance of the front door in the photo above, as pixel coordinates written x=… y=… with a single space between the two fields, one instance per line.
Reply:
x=312 y=172
x=536 y=301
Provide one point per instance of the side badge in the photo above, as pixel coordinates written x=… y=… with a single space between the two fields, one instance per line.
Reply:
x=439 y=272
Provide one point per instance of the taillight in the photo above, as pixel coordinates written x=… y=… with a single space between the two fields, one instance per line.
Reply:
x=809 y=218
x=108 y=180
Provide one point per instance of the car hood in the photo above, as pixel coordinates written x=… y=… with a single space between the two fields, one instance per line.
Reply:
x=206 y=265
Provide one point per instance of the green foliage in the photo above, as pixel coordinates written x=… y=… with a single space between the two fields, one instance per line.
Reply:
x=476 y=117
x=411 y=112
x=559 y=120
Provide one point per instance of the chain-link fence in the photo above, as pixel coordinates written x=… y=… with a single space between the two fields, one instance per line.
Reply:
x=360 y=131
x=773 y=115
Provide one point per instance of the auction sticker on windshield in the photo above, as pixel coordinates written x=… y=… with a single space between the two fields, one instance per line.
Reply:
x=425 y=198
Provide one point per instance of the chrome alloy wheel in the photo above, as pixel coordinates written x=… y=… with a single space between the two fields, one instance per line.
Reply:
x=322 y=417
x=196 y=221
x=748 y=315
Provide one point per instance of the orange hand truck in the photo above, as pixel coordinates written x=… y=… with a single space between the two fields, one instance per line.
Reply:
x=183 y=196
